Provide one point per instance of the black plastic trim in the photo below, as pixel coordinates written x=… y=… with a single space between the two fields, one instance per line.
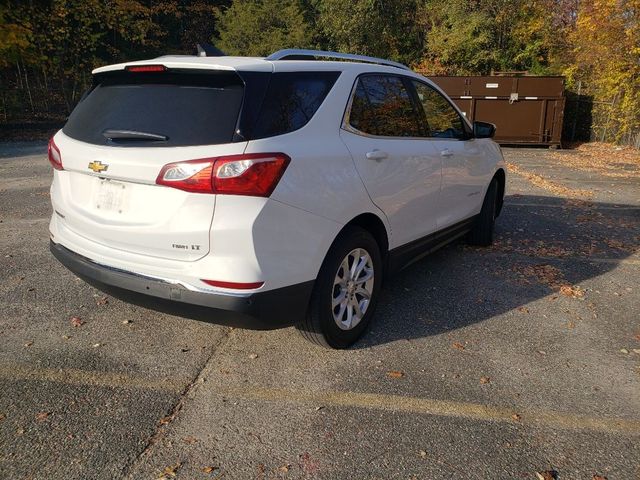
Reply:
x=260 y=311
x=405 y=255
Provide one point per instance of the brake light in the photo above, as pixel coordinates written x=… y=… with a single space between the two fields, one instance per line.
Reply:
x=145 y=68
x=236 y=285
x=253 y=174
x=53 y=153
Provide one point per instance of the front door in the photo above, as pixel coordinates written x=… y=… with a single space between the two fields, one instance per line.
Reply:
x=465 y=169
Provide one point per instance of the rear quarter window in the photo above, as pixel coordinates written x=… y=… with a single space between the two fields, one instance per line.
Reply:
x=291 y=100
x=187 y=107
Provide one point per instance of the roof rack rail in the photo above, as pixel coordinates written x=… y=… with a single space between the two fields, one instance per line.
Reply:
x=300 y=54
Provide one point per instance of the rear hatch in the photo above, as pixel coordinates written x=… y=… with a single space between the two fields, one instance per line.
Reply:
x=116 y=142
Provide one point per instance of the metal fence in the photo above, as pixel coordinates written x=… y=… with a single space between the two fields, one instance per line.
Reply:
x=589 y=119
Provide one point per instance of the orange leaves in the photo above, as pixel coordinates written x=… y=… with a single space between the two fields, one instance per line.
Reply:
x=601 y=158
x=170 y=472
x=549 y=185
x=571 y=291
x=76 y=321
x=42 y=416
x=550 y=276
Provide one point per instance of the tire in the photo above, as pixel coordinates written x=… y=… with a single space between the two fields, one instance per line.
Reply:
x=321 y=325
x=482 y=232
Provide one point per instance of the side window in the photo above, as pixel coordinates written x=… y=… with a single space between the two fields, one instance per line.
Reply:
x=443 y=121
x=291 y=100
x=382 y=106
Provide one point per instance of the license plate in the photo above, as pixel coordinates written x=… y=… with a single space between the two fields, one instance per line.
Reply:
x=111 y=196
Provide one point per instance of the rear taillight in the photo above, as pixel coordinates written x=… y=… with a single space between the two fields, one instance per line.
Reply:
x=54 y=155
x=253 y=174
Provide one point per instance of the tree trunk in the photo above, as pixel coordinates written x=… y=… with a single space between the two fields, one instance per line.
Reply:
x=26 y=82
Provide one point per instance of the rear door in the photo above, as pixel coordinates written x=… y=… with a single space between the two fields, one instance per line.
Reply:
x=400 y=168
x=117 y=140
x=464 y=165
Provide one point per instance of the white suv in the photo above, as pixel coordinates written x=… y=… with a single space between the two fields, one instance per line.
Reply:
x=264 y=192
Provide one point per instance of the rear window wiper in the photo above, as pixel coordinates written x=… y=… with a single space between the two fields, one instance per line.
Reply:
x=114 y=134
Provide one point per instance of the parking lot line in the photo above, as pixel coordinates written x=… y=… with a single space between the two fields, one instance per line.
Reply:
x=325 y=398
x=427 y=406
x=72 y=376
x=564 y=206
x=575 y=258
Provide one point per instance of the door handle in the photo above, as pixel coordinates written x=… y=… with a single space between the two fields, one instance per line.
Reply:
x=446 y=153
x=377 y=155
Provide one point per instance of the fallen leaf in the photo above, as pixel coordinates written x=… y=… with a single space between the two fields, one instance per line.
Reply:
x=571 y=291
x=523 y=309
x=423 y=454
x=209 y=469
x=42 y=416
x=319 y=408
x=458 y=346
x=102 y=301
x=28 y=344
x=77 y=321
x=165 y=420
x=2 y=416
x=484 y=380
x=599 y=477
x=516 y=417
x=395 y=374
x=190 y=440
x=170 y=471
x=547 y=475
x=20 y=431
x=636 y=350
x=624 y=350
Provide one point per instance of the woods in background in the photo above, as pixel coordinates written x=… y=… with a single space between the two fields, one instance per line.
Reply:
x=48 y=47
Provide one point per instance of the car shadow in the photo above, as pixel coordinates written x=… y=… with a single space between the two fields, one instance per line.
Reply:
x=543 y=246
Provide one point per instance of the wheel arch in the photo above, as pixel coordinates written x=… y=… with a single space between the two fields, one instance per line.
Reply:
x=376 y=227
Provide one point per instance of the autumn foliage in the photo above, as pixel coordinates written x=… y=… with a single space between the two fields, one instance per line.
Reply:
x=48 y=47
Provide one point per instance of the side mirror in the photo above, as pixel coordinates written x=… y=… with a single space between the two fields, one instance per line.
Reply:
x=483 y=130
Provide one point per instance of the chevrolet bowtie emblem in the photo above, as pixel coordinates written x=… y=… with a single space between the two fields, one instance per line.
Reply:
x=98 y=166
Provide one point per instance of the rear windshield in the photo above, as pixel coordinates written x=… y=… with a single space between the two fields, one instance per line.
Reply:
x=159 y=109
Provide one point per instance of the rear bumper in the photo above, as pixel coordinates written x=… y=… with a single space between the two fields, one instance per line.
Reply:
x=261 y=310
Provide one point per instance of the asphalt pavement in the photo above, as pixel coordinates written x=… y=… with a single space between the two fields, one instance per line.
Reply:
x=495 y=363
